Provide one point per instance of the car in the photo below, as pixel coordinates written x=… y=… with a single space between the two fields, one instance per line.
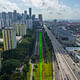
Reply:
x=73 y=63
x=73 y=69
x=79 y=73
x=67 y=55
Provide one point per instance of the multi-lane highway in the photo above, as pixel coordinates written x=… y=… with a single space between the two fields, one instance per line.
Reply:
x=67 y=69
x=37 y=44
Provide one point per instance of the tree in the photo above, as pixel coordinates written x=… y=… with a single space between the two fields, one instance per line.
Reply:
x=26 y=61
x=17 y=76
x=33 y=59
x=10 y=65
x=5 y=77
x=24 y=70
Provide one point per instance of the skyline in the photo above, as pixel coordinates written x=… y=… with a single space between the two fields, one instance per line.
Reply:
x=51 y=9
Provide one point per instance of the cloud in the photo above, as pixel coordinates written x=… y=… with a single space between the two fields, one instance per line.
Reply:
x=6 y=5
x=54 y=9
x=49 y=8
x=46 y=4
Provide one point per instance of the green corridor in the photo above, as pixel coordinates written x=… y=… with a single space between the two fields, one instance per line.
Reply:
x=40 y=56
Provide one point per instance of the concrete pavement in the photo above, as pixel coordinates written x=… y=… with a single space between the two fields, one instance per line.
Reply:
x=31 y=76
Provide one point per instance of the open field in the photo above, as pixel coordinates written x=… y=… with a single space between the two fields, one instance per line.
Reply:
x=47 y=71
x=36 y=72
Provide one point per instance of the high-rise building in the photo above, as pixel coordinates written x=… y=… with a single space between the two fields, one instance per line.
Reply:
x=24 y=17
x=30 y=12
x=33 y=17
x=14 y=16
x=29 y=24
x=8 y=22
x=9 y=19
x=55 y=22
x=10 y=15
x=3 y=17
x=9 y=38
x=17 y=28
x=2 y=23
x=25 y=12
x=20 y=29
x=40 y=17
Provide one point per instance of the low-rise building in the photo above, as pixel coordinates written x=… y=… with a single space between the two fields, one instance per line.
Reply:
x=64 y=36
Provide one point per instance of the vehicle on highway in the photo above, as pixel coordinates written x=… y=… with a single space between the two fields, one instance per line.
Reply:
x=67 y=55
x=79 y=73
x=78 y=64
x=73 y=69
x=73 y=63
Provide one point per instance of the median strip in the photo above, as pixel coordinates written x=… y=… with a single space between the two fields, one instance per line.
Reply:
x=40 y=56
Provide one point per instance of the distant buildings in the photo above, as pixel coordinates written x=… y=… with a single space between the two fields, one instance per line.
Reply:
x=30 y=12
x=33 y=17
x=22 y=29
x=29 y=24
x=9 y=38
x=14 y=16
x=10 y=18
x=40 y=17
x=65 y=37
x=3 y=19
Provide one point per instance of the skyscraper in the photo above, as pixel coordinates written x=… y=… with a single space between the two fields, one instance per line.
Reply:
x=0 y=23
x=22 y=29
x=29 y=24
x=10 y=15
x=40 y=17
x=14 y=16
x=33 y=17
x=30 y=12
x=3 y=17
x=9 y=38
x=25 y=12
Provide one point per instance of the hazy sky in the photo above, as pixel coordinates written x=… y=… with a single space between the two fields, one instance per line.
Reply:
x=51 y=9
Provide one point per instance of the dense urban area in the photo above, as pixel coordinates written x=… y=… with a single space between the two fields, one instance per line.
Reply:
x=34 y=49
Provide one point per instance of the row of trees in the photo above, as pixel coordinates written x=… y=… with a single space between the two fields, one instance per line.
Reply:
x=49 y=48
x=25 y=48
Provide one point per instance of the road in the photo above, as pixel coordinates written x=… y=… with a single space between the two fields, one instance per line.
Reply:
x=37 y=44
x=67 y=69
x=56 y=72
x=36 y=51
x=31 y=76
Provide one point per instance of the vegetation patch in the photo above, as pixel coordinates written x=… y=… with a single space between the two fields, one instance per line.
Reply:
x=36 y=72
